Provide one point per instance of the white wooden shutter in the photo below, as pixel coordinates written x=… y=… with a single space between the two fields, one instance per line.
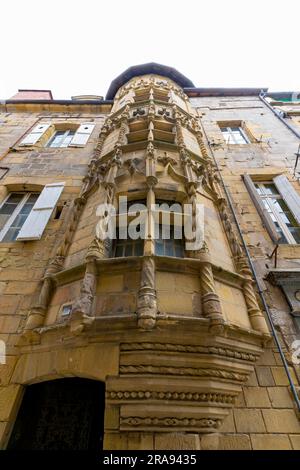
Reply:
x=289 y=194
x=265 y=216
x=35 y=134
x=82 y=135
x=37 y=220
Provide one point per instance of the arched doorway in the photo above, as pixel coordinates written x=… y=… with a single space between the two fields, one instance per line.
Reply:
x=62 y=414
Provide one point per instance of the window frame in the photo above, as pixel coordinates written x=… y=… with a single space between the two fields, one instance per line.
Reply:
x=157 y=220
x=264 y=196
x=231 y=135
x=17 y=210
x=65 y=135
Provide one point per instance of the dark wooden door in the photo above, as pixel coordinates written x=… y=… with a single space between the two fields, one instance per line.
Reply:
x=63 y=414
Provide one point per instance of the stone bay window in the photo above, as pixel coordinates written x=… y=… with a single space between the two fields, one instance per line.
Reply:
x=173 y=332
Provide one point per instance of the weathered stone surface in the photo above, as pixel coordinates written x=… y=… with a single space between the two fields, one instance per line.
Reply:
x=235 y=442
x=281 y=421
x=115 y=441
x=270 y=442
x=188 y=381
x=178 y=441
x=264 y=376
x=280 y=376
x=280 y=397
x=9 y=396
x=256 y=397
x=295 y=440
x=210 y=441
x=248 y=420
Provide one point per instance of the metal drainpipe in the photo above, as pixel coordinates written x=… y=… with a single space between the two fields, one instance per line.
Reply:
x=261 y=294
x=274 y=111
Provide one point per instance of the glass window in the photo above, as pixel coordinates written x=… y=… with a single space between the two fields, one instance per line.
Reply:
x=66 y=310
x=61 y=139
x=234 y=135
x=169 y=241
x=128 y=247
x=168 y=236
x=13 y=214
x=284 y=221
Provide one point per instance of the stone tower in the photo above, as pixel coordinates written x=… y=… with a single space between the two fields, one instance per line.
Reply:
x=173 y=333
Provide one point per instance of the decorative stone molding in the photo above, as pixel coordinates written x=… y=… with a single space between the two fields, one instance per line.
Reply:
x=220 y=351
x=119 y=395
x=137 y=421
x=188 y=371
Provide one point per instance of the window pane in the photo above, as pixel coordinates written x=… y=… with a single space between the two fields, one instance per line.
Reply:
x=128 y=250
x=56 y=139
x=119 y=251
x=159 y=248
x=3 y=219
x=179 y=251
x=270 y=189
x=19 y=220
x=239 y=136
x=11 y=235
x=169 y=247
x=8 y=209
x=67 y=140
x=14 y=198
x=20 y=217
x=295 y=231
x=139 y=248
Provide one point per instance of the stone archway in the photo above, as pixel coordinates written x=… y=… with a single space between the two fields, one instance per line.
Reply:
x=61 y=414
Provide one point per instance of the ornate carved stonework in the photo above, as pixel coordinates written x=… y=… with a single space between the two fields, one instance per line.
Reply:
x=146 y=302
x=179 y=370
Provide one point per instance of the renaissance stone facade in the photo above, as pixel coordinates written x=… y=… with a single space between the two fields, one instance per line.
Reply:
x=179 y=337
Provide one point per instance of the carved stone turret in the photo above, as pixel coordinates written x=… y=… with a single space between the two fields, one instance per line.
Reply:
x=184 y=325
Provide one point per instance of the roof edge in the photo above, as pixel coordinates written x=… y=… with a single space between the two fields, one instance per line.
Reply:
x=198 y=92
x=146 y=69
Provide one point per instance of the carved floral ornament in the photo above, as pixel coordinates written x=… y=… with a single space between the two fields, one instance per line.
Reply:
x=150 y=81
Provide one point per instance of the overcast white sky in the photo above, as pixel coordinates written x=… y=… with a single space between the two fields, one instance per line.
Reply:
x=78 y=47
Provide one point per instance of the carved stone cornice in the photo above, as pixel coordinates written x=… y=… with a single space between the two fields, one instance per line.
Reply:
x=129 y=395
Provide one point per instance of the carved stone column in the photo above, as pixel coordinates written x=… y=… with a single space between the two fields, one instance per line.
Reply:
x=210 y=300
x=256 y=316
x=83 y=306
x=147 y=299
x=38 y=312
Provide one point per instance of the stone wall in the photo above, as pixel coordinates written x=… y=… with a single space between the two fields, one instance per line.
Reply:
x=263 y=415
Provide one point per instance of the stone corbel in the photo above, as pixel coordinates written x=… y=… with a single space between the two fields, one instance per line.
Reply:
x=101 y=140
x=122 y=139
x=38 y=312
x=147 y=299
x=82 y=311
x=150 y=165
x=115 y=164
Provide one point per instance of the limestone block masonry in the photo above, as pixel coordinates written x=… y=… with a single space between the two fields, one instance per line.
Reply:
x=181 y=342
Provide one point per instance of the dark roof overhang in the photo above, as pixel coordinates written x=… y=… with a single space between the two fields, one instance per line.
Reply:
x=146 y=69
